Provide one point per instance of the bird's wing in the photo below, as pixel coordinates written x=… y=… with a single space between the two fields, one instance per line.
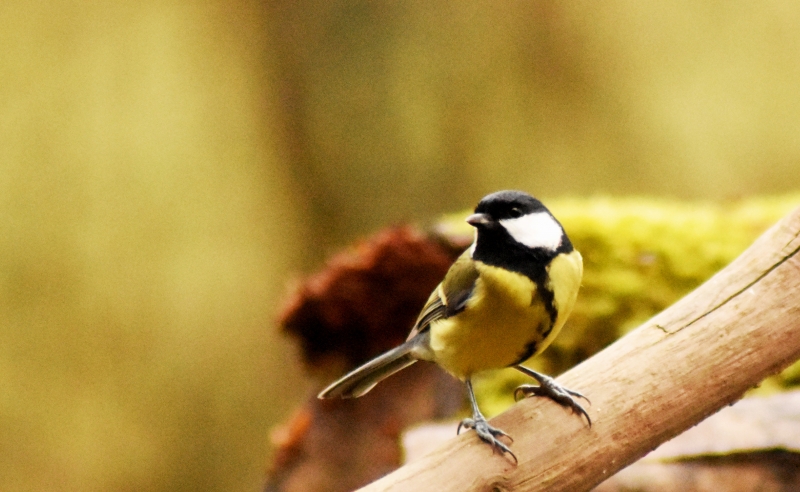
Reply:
x=449 y=297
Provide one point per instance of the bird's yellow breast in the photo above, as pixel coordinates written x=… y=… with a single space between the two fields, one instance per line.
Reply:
x=503 y=317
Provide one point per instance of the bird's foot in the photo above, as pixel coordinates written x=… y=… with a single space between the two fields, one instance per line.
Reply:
x=549 y=388
x=488 y=434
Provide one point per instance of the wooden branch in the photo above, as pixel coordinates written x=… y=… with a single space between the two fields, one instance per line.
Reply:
x=683 y=365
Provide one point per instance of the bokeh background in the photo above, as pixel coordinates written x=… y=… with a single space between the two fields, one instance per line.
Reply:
x=167 y=168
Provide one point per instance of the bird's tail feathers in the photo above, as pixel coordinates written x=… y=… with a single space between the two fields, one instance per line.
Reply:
x=363 y=378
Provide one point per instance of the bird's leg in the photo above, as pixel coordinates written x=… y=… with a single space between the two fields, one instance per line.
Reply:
x=550 y=388
x=486 y=432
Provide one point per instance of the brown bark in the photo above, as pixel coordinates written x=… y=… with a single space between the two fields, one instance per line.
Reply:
x=683 y=365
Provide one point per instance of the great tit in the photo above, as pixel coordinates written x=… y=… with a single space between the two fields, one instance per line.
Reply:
x=502 y=301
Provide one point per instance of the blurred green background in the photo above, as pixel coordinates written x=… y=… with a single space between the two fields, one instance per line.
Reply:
x=166 y=168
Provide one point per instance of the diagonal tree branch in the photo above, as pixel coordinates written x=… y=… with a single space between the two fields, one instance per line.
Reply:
x=683 y=365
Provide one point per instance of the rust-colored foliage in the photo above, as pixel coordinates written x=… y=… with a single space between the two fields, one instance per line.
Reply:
x=362 y=303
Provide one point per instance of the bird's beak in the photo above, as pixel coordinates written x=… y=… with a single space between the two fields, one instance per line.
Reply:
x=479 y=219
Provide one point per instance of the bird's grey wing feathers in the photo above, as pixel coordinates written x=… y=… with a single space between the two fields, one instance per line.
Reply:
x=458 y=285
x=449 y=297
x=434 y=309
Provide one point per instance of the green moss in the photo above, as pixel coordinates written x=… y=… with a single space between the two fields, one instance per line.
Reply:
x=640 y=256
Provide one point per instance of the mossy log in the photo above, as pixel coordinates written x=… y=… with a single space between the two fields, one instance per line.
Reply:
x=667 y=375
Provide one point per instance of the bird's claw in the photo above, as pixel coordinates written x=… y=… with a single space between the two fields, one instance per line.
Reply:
x=488 y=434
x=551 y=389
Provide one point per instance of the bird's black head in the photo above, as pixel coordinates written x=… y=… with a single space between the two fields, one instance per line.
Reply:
x=516 y=231
x=509 y=204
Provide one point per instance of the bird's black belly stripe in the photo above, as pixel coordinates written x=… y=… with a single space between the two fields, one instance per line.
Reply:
x=530 y=349
x=548 y=299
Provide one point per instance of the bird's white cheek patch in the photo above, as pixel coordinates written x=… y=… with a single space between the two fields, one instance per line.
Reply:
x=538 y=230
x=474 y=245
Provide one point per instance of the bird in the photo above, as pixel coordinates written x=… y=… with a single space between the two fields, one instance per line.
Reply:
x=500 y=303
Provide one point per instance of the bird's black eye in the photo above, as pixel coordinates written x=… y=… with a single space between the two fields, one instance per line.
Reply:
x=515 y=213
